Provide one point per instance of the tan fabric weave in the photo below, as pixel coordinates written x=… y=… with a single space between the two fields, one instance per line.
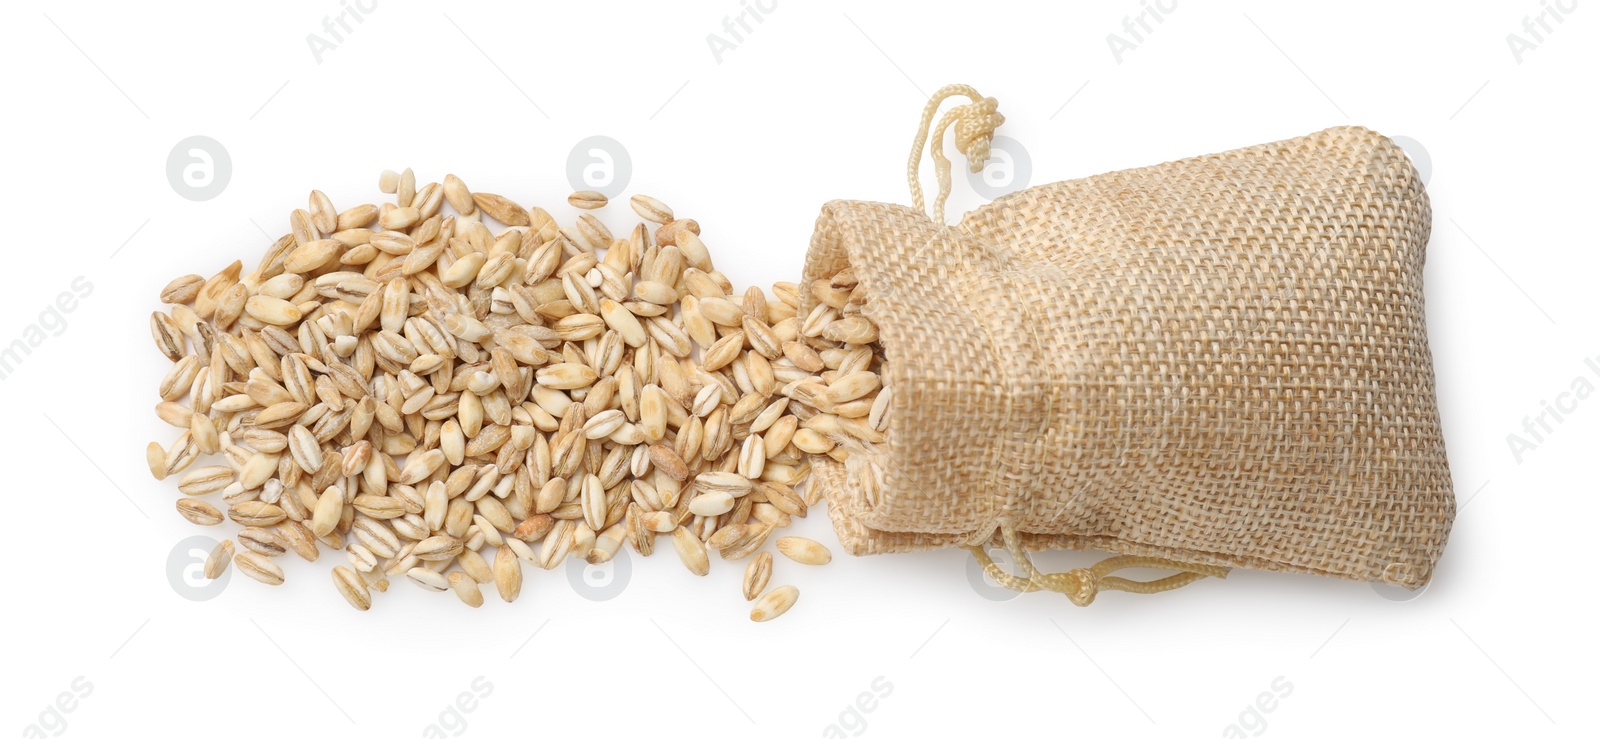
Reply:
x=1220 y=360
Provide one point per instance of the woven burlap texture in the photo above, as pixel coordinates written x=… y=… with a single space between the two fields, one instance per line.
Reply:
x=1221 y=360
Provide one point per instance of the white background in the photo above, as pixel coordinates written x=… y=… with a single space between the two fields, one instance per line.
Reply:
x=819 y=102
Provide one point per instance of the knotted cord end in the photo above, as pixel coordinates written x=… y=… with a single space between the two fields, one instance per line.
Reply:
x=975 y=123
x=975 y=127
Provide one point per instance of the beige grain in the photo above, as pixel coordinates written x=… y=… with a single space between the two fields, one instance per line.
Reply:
x=803 y=550
x=258 y=568
x=756 y=575
x=352 y=588
x=418 y=386
x=587 y=200
x=221 y=556
x=775 y=603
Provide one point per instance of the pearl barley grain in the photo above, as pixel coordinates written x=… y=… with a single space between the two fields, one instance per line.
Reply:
x=452 y=382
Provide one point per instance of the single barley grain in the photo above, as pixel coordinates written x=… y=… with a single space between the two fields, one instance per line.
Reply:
x=587 y=199
x=221 y=557
x=258 y=568
x=507 y=574
x=775 y=603
x=756 y=575
x=352 y=588
x=803 y=550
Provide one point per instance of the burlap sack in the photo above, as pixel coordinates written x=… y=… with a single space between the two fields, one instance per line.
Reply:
x=1220 y=361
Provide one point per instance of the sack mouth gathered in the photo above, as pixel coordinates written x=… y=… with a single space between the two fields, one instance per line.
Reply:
x=926 y=307
x=1255 y=317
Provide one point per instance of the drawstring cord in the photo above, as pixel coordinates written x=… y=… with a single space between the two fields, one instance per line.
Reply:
x=1084 y=583
x=975 y=123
